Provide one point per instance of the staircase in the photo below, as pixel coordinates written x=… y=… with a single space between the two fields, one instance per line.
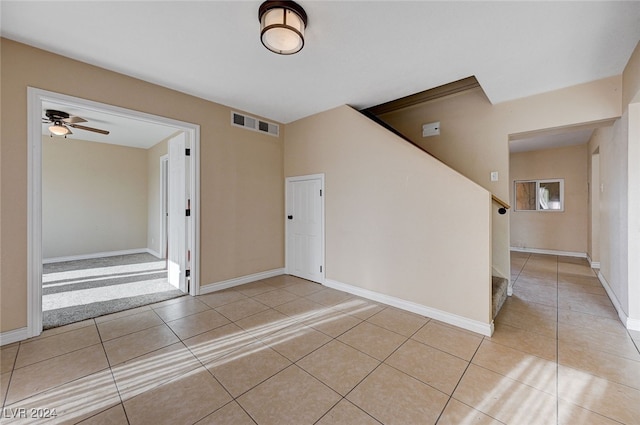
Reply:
x=499 y=287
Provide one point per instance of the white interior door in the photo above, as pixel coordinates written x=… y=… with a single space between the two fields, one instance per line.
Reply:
x=177 y=218
x=305 y=227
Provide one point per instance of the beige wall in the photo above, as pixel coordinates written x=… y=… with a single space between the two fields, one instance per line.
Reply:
x=559 y=230
x=94 y=197
x=619 y=203
x=633 y=213
x=474 y=134
x=631 y=79
x=593 y=221
x=619 y=148
x=241 y=175
x=398 y=222
x=631 y=89
x=612 y=144
x=154 y=211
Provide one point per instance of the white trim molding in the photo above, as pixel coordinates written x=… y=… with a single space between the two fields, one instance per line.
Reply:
x=633 y=324
x=237 y=281
x=9 y=337
x=443 y=316
x=35 y=97
x=100 y=255
x=550 y=252
x=593 y=264
x=628 y=323
x=155 y=254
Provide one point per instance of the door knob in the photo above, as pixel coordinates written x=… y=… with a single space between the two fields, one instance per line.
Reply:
x=290 y=217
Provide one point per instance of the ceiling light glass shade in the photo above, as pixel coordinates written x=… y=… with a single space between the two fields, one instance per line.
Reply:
x=59 y=130
x=282 y=25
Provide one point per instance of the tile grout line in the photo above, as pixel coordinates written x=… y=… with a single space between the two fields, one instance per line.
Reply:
x=131 y=332
x=233 y=399
x=73 y=380
x=260 y=340
x=556 y=362
x=55 y=356
x=460 y=380
x=410 y=338
x=13 y=368
x=331 y=338
x=293 y=363
x=115 y=384
x=375 y=368
x=381 y=361
x=521 y=269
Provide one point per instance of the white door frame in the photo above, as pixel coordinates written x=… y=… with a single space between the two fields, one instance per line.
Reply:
x=164 y=188
x=35 y=97
x=289 y=180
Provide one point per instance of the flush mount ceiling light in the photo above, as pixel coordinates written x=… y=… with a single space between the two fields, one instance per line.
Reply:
x=59 y=129
x=282 y=25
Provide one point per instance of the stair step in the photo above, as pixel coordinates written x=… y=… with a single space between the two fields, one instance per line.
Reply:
x=499 y=287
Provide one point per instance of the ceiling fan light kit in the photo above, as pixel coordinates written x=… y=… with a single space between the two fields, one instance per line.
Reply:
x=57 y=129
x=282 y=25
x=61 y=121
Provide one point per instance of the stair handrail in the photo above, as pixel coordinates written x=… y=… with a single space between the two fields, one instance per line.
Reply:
x=503 y=205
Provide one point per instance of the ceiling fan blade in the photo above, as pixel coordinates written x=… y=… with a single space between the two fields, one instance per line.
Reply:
x=74 y=120
x=82 y=127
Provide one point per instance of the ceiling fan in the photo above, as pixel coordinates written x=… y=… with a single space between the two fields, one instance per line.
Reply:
x=61 y=121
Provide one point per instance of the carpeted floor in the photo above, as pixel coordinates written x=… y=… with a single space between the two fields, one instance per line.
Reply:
x=73 y=291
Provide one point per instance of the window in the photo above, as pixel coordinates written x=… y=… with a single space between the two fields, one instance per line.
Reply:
x=539 y=195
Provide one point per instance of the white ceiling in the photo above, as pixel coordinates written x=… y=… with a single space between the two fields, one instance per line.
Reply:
x=360 y=53
x=124 y=131
x=548 y=141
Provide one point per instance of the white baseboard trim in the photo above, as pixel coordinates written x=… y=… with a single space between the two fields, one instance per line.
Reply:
x=550 y=252
x=236 y=281
x=452 y=319
x=155 y=254
x=633 y=324
x=593 y=264
x=98 y=255
x=614 y=300
x=16 y=335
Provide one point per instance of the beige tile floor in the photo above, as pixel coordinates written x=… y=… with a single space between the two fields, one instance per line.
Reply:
x=287 y=351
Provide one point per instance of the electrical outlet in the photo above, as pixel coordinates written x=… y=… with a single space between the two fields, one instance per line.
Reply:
x=494 y=176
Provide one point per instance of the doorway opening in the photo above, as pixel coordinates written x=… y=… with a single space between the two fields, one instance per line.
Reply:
x=148 y=258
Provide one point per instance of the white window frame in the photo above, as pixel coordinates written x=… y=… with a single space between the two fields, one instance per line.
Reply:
x=538 y=182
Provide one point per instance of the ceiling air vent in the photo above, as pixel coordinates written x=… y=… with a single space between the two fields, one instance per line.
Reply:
x=252 y=123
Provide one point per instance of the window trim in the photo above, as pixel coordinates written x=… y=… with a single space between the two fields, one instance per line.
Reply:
x=537 y=182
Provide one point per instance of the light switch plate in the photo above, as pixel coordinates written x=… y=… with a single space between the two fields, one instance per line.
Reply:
x=494 y=176
x=431 y=129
